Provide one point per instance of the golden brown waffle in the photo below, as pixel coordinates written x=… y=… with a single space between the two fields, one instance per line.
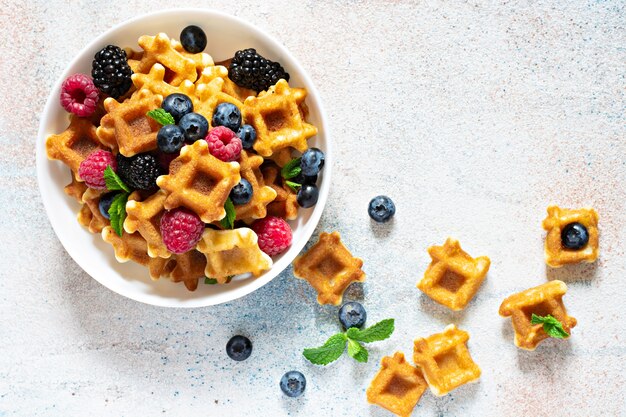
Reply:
x=555 y=254
x=262 y=195
x=145 y=217
x=281 y=157
x=285 y=204
x=398 y=386
x=277 y=119
x=228 y=87
x=75 y=189
x=201 y=60
x=209 y=95
x=453 y=276
x=199 y=181
x=75 y=144
x=541 y=300
x=329 y=267
x=187 y=268
x=154 y=81
x=133 y=57
x=232 y=252
x=89 y=215
x=158 y=49
x=127 y=126
x=445 y=360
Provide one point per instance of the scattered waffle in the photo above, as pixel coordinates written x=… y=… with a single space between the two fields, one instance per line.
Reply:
x=89 y=215
x=210 y=95
x=187 y=268
x=278 y=120
x=262 y=195
x=541 y=300
x=329 y=267
x=75 y=189
x=285 y=204
x=126 y=125
x=453 y=276
x=398 y=386
x=159 y=49
x=232 y=252
x=145 y=217
x=154 y=81
x=228 y=87
x=556 y=255
x=199 y=181
x=445 y=360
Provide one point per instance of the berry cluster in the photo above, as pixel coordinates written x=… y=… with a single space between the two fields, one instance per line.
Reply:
x=249 y=69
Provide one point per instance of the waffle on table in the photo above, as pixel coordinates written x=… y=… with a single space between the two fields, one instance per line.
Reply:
x=262 y=195
x=145 y=217
x=453 y=276
x=398 y=385
x=541 y=300
x=445 y=360
x=555 y=254
x=329 y=267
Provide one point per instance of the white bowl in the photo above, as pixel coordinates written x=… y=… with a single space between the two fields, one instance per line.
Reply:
x=226 y=34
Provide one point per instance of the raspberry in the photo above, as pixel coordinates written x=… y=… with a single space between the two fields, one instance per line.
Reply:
x=224 y=144
x=181 y=230
x=79 y=95
x=274 y=234
x=91 y=170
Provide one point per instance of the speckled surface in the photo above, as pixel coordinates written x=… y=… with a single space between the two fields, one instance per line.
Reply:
x=473 y=116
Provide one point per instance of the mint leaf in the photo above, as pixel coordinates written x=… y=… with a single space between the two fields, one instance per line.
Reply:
x=379 y=331
x=210 y=281
x=117 y=212
x=228 y=221
x=291 y=169
x=293 y=185
x=551 y=326
x=328 y=352
x=161 y=116
x=113 y=181
x=357 y=351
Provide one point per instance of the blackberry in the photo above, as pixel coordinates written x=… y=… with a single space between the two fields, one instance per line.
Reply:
x=110 y=71
x=250 y=70
x=139 y=172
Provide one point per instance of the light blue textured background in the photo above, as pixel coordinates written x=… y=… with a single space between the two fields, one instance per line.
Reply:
x=473 y=116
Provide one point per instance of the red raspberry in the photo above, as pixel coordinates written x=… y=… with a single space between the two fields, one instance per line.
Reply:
x=79 y=95
x=224 y=144
x=181 y=230
x=91 y=170
x=274 y=234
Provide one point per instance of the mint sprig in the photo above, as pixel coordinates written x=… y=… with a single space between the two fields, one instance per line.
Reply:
x=293 y=185
x=113 y=181
x=161 y=116
x=210 y=281
x=551 y=326
x=228 y=222
x=291 y=169
x=336 y=345
x=117 y=212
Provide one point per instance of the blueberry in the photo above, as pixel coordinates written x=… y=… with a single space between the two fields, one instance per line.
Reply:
x=177 y=105
x=247 y=134
x=239 y=348
x=105 y=204
x=381 y=208
x=574 y=236
x=307 y=195
x=194 y=125
x=193 y=39
x=304 y=179
x=293 y=384
x=352 y=314
x=227 y=115
x=312 y=162
x=241 y=193
x=170 y=138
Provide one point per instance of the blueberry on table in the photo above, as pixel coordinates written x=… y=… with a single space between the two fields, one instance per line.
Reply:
x=247 y=134
x=177 y=105
x=193 y=39
x=239 y=348
x=170 y=138
x=105 y=204
x=352 y=314
x=381 y=209
x=312 y=162
x=293 y=384
x=241 y=193
x=574 y=236
x=227 y=115
x=194 y=125
x=307 y=195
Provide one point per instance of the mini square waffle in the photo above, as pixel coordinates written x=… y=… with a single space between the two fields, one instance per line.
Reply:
x=209 y=96
x=329 y=267
x=90 y=216
x=232 y=252
x=202 y=60
x=555 y=254
x=145 y=217
x=75 y=144
x=199 y=181
x=154 y=81
x=75 y=189
x=228 y=87
x=159 y=49
x=262 y=195
x=277 y=119
x=453 y=277
x=187 y=268
x=541 y=300
x=285 y=204
x=398 y=386
x=445 y=360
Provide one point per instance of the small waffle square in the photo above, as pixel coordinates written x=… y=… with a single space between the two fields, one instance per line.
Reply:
x=90 y=216
x=398 y=386
x=285 y=204
x=154 y=81
x=75 y=189
x=541 y=300
x=145 y=217
x=159 y=49
x=262 y=195
x=329 y=267
x=74 y=144
x=208 y=96
x=445 y=360
x=555 y=254
x=187 y=268
x=453 y=276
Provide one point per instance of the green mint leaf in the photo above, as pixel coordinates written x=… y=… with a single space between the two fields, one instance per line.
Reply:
x=328 y=352
x=228 y=222
x=379 y=331
x=210 y=281
x=161 y=116
x=551 y=326
x=293 y=185
x=357 y=351
x=117 y=212
x=113 y=181
x=291 y=169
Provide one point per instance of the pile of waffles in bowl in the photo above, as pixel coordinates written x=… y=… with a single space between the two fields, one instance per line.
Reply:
x=189 y=167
